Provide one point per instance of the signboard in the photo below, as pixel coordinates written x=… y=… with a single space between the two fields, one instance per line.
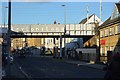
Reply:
x=38 y=28
x=102 y=42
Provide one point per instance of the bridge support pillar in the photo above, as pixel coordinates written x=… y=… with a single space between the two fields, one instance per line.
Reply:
x=60 y=46
x=54 y=49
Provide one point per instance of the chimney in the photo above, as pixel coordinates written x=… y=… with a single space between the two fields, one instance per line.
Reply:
x=54 y=22
x=58 y=22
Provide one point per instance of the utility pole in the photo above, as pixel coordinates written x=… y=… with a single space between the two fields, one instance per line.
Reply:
x=87 y=8
x=9 y=36
x=64 y=28
x=99 y=29
x=4 y=8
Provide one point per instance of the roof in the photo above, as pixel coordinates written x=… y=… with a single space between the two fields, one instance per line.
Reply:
x=118 y=6
x=105 y=23
x=109 y=22
x=85 y=19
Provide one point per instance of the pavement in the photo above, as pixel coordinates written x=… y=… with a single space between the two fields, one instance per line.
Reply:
x=15 y=72
x=90 y=64
x=87 y=64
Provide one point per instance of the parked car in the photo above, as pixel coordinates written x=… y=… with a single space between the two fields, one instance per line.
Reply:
x=48 y=52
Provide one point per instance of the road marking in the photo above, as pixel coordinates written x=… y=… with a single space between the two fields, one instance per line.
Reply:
x=26 y=75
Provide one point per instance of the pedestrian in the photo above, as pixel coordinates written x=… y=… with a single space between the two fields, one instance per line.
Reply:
x=113 y=68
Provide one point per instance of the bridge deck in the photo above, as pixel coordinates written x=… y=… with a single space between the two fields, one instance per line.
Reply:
x=50 y=36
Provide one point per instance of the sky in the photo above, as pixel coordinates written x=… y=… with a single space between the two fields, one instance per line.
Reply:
x=60 y=0
x=48 y=12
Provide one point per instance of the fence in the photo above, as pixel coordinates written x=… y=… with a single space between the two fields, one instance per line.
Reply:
x=87 y=54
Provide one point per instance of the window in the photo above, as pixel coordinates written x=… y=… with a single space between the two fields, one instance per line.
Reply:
x=67 y=27
x=93 y=32
x=106 y=32
x=118 y=29
x=67 y=32
x=106 y=49
x=111 y=48
x=42 y=41
x=71 y=32
x=102 y=33
x=112 y=31
x=102 y=51
x=77 y=32
x=23 y=39
x=116 y=32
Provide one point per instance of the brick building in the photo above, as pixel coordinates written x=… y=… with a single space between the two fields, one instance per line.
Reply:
x=110 y=33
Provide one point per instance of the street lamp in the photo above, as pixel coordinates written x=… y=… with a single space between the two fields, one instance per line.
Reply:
x=9 y=35
x=4 y=8
x=4 y=34
x=64 y=26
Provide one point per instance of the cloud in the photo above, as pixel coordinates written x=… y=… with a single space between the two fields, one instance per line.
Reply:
x=61 y=0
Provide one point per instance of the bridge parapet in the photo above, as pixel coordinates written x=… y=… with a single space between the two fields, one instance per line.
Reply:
x=53 y=29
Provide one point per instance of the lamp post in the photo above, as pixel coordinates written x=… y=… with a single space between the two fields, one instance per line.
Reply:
x=4 y=34
x=8 y=36
x=64 y=27
x=4 y=15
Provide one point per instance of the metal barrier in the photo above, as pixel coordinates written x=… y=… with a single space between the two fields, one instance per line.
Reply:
x=73 y=54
